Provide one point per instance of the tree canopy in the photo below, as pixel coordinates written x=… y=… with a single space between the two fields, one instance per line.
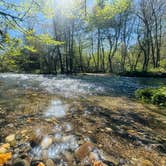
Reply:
x=83 y=36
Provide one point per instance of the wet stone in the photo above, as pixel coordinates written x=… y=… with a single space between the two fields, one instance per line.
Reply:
x=84 y=150
x=68 y=157
x=35 y=140
x=11 y=125
x=67 y=138
x=46 y=142
x=50 y=162
x=57 y=137
x=90 y=132
x=100 y=145
x=41 y=164
x=6 y=146
x=18 y=137
x=102 y=130
x=11 y=139
x=93 y=157
x=108 y=129
x=45 y=154
x=3 y=150
x=35 y=162
x=20 y=162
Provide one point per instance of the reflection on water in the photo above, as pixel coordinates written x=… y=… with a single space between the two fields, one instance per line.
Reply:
x=60 y=140
x=56 y=109
x=54 y=146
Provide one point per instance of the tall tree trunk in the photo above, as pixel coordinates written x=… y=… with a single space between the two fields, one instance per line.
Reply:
x=71 y=48
x=98 y=50
x=110 y=64
x=136 y=62
x=152 y=50
x=103 y=57
x=124 y=55
x=81 y=59
x=60 y=60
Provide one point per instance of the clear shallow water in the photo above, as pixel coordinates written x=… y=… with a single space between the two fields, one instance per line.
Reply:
x=56 y=109
x=73 y=86
x=62 y=85
x=18 y=91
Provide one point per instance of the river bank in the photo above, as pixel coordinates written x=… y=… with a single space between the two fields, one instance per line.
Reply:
x=79 y=121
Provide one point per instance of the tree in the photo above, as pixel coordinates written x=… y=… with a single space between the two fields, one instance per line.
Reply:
x=107 y=17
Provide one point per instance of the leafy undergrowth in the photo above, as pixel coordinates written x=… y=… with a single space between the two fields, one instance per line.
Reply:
x=155 y=96
x=152 y=73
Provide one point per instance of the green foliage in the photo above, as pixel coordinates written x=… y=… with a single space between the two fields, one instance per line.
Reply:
x=30 y=49
x=46 y=8
x=163 y=64
x=44 y=39
x=157 y=70
x=103 y=15
x=48 y=40
x=11 y=50
x=152 y=95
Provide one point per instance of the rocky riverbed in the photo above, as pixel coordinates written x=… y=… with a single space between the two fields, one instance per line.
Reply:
x=40 y=128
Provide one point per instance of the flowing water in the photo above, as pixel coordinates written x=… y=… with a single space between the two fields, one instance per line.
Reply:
x=56 y=115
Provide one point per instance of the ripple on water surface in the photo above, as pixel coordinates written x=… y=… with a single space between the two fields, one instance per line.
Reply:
x=56 y=109
x=62 y=85
x=74 y=86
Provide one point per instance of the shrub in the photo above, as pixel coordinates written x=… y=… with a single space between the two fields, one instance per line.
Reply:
x=152 y=95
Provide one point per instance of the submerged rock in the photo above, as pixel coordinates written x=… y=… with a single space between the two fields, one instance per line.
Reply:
x=45 y=154
x=93 y=157
x=84 y=150
x=50 y=162
x=4 y=148
x=11 y=139
x=99 y=163
x=41 y=164
x=108 y=129
x=11 y=125
x=46 y=142
x=68 y=156
x=4 y=158
x=20 y=162
x=35 y=140
x=18 y=137
x=67 y=138
x=90 y=132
